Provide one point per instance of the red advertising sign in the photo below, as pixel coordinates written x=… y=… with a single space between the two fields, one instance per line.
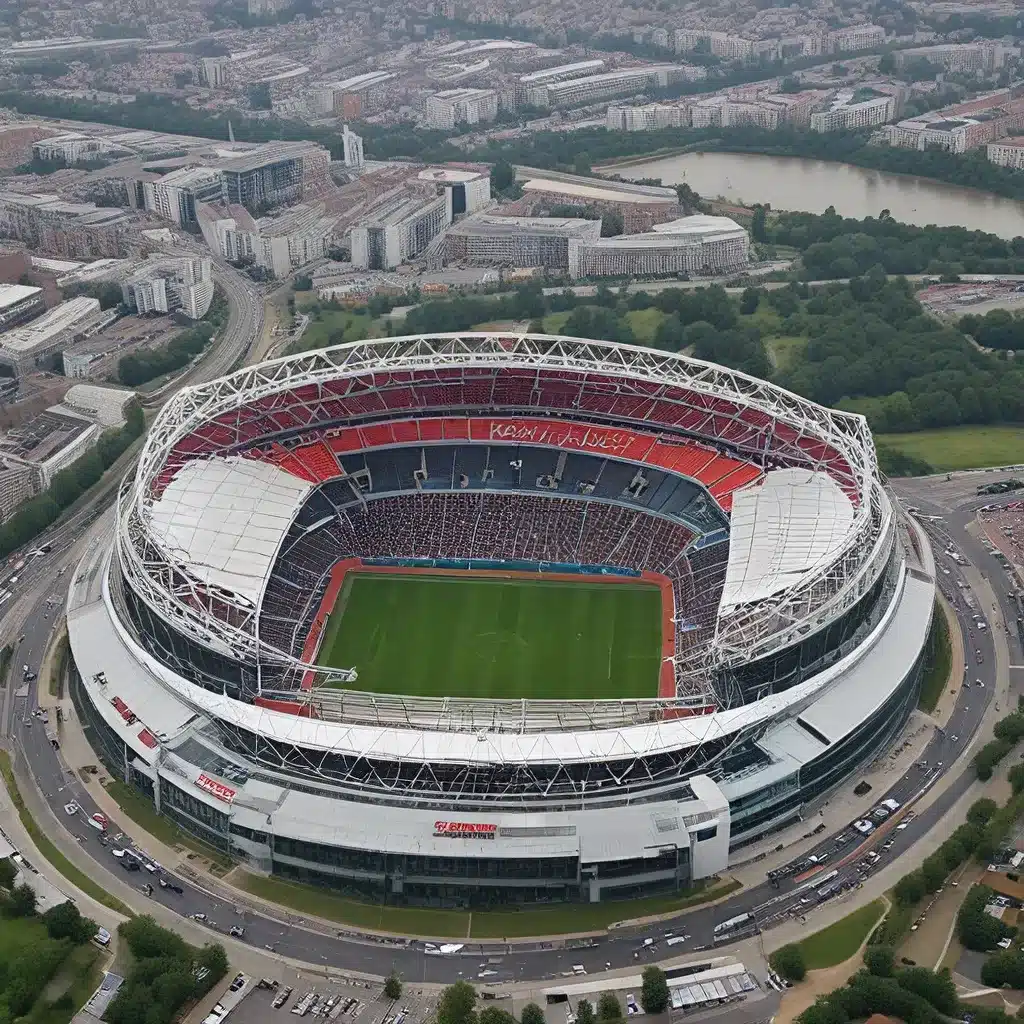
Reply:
x=215 y=788
x=464 y=830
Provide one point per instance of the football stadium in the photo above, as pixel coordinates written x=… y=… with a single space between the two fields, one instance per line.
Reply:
x=486 y=619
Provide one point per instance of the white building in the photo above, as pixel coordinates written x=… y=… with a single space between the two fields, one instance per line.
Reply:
x=34 y=344
x=174 y=196
x=18 y=303
x=518 y=241
x=958 y=57
x=699 y=244
x=352 y=148
x=1007 y=152
x=464 y=191
x=647 y=117
x=461 y=106
x=847 y=116
x=168 y=283
x=401 y=228
x=853 y=38
x=592 y=88
x=72 y=147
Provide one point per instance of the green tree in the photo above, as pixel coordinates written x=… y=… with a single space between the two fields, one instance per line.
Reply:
x=503 y=176
x=585 y=1012
x=788 y=962
x=457 y=1004
x=880 y=960
x=64 y=921
x=532 y=1014
x=492 y=1014
x=910 y=889
x=393 y=986
x=749 y=301
x=608 y=1007
x=8 y=873
x=654 y=994
x=758 y=224
x=22 y=901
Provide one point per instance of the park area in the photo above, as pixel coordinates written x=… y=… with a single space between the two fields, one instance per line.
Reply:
x=466 y=635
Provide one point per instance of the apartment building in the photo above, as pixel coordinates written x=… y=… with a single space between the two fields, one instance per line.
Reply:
x=446 y=109
x=490 y=240
x=171 y=283
x=352 y=149
x=853 y=38
x=19 y=303
x=964 y=126
x=465 y=191
x=174 y=196
x=398 y=229
x=351 y=98
x=72 y=230
x=720 y=44
x=647 y=117
x=34 y=345
x=72 y=148
x=1007 y=152
x=592 y=88
x=694 y=245
x=50 y=442
x=16 y=486
x=845 y=115
x=964 y=58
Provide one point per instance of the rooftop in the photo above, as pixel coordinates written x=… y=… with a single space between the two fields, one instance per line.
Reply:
x=449 y=175
x=600 y=191
x=491 y=224
x=45 y=436
x=697 y=224
x=12 y=294
x=533 y=77
x=51 y=323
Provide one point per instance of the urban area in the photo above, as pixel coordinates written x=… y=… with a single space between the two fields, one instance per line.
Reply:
x=511 y=514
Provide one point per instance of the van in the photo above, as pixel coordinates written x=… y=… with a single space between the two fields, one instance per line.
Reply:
x=578 y=969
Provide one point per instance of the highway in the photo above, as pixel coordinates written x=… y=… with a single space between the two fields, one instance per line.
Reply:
x=290 y=936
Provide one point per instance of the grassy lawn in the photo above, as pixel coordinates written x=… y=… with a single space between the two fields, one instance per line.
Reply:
x=644 y=323
x=940 y=658
x=766 y=319
x=143 y=813
x=77 y=979
x=554 y=322
x=785 y=350
x=841 y=940
x=331 y=327
x=560 y=920
x=458 y=636
x=962 y=447
x=63 y=866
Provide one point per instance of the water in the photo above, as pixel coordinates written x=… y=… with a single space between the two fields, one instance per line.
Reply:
x=793 y=183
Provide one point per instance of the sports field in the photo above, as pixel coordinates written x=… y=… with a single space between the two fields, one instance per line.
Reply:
x=474 y=636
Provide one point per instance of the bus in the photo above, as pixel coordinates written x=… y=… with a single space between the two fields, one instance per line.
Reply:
x=825 y=885
x=734 y=924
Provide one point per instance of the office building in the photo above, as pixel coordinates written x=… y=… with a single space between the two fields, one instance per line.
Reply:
x=351 y=98
x=845 y=115
x=73 y=148
x=171 y=283
x=719 y=44
x=401 y=227
x=461 y=106
x=35 y=345
x=690 y=245
x=1007 y=152
x=65 y=229
x=50 y=442
x=275 y=174
x=517 y=241
x=964 y=126
x=19 y=303
x=174 y=196
x=16 y=486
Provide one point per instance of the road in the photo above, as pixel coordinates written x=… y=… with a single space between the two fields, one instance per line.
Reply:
x=769 y=902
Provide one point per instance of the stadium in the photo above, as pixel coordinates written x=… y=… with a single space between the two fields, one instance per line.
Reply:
x=485 y=619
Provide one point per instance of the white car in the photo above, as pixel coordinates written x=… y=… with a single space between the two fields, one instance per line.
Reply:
x=71 y=809
x=864 y=827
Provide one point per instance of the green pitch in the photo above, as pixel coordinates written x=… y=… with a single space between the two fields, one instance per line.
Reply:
x=451 y=636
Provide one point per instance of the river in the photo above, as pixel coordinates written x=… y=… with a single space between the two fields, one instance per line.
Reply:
x=793 y=183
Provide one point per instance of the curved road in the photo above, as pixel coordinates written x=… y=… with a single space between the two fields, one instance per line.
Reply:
x=290 y=937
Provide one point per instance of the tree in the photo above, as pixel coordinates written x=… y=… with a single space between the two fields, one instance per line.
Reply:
x=585 y=1012
x=609 y=1007
x=8 y=873
x=879 y=960
x=215 y=960
x=758 y=224
x=492 y=1014
x=393 y=986
x=66 y=922
x=749 y=301
x=788 y=962
x=457 y=1004
x=22 y=902
x=532 y=1014
x=910 y=889
x=503 y=176
x=654 y=994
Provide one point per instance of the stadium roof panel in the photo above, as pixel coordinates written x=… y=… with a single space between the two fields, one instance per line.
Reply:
x=790 y=526
x=224 y=520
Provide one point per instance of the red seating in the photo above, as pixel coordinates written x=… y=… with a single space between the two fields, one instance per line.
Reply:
x=319 y=460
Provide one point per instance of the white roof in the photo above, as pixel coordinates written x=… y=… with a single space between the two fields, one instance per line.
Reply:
x=788 y=527
x=605 y=191
x=698 y=224
x=225 y=518
x=12 y=294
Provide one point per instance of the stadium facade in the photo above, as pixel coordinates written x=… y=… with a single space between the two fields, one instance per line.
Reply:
x=799 y=604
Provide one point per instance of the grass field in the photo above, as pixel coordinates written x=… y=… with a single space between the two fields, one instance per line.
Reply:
x=841 y=940
x=962 y=447
x=940 y=660
x=458 y=636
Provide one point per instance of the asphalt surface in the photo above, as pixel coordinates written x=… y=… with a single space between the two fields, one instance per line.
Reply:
x=769 y=902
